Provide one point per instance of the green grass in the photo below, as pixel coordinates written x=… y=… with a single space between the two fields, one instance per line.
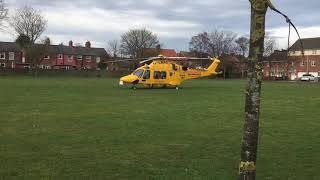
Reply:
x=78 y=128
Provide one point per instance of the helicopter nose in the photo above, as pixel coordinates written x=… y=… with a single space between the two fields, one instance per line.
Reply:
x=128 y=79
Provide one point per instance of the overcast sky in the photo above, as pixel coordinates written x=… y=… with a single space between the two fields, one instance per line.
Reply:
x=175 y=21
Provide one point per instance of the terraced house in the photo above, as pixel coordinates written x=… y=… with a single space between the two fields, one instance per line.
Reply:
x=293 y=65
x=307 y=64
x=58 y=57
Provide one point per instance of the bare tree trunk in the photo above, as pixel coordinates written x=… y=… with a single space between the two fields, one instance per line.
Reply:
x=247 y=168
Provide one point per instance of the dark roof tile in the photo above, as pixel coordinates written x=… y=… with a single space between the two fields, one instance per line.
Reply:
x=56 y=49
x=308 y=43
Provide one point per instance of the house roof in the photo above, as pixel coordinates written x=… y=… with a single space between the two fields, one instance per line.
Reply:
x=186 y=54
x=308 y=43
x=278 y=56
x=151 y=52
x=229 y=59
x=9 y=46
x=168 y=52
x=59 y=49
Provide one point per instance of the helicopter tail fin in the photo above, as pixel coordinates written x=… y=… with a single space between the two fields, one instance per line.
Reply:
x=212 y=68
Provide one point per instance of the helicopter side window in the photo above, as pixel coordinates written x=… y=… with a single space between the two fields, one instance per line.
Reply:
x=146 y=74
x=163 y=75
x=160 y=75
x=138 y=73
x=156 y=75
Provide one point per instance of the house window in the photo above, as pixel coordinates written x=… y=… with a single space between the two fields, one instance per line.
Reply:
x=2 y=65
x=2 y=55
x=302 y=63
x=79 y=57
x=46 y=57
x=70 y=58
x=88 y=58
x=11 y=56
x=98 y=59
x=314 y=52
x=60 y=56
x=313 y=63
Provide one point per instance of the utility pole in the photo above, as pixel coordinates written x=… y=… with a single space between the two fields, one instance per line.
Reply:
x=247 y=168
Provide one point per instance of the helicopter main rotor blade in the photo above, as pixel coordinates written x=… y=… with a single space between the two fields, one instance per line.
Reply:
x=187 y=58
x=152 y=59
x=126 y=60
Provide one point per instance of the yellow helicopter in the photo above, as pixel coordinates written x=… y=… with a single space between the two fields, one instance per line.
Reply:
x=165 y=72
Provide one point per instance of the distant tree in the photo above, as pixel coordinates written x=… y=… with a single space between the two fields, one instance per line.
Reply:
x=3 y=11
x=221 y=42
x=270 y=45
x=29 y=22
x=214 y=43
x=46 y=41
x=199 y=44
x=34 y=53
x=113 y=48
x=243 y=45
x=135 y=41
x=23 y=41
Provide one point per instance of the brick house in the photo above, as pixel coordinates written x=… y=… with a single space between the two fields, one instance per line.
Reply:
x=276 y=65
x=309 y=63
x=11 y=56
x=153 y=52
x=58 y=57
x=233 y=66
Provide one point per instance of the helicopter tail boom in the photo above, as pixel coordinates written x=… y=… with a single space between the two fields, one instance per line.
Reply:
x=212 y=68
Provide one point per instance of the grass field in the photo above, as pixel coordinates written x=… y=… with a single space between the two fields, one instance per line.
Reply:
x=78 y=128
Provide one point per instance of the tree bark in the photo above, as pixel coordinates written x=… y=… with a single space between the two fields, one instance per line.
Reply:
x=247 y=168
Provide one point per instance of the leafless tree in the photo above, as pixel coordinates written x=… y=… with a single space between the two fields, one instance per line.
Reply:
x=135 y=41
x=34 y=53
x=199 y=44
x=221 y=42
x=270 y=45
x=46 y=41
x=214 y=43
x=3 y=11
x=243 y=45
x=113 y=48
x=28 y=21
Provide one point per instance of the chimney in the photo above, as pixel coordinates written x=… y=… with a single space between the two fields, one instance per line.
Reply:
x=70 y=44
x=88 y=44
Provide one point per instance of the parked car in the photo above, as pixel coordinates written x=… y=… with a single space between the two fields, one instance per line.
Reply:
x=307 y=77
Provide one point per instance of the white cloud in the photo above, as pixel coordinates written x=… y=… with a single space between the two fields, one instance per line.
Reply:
x=281 y=34
x=175 y=21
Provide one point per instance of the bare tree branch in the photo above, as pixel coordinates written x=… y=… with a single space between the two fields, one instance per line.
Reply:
x=3 y=11
x=113 y=48
x=28 y=21
x=214 y=43
x=135 y=41
x=270 y=45
x=243 y=45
